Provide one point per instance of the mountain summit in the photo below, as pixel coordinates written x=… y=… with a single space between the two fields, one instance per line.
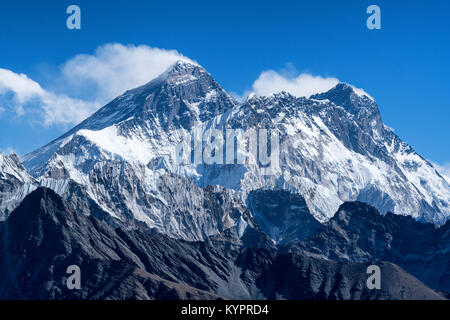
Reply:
x=183 y=94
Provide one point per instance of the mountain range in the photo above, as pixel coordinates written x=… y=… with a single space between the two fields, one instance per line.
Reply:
x=46 y=235
x=346 y=192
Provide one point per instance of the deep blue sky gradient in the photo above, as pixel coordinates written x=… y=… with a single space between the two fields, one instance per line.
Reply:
x=404 y=66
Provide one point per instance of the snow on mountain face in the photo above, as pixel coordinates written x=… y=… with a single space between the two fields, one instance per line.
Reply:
x=119 y=156
x=181 y=97
x=333 y=148
x=15 y=183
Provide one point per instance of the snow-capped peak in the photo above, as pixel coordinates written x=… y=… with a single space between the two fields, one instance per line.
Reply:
x=344 y=88
x=15 y=183
x=333 y=148
x=182 y=66
x=10 y=164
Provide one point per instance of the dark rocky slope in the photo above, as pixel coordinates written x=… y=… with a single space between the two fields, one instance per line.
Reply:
x=44 y=235
x=359 y=233
x=283 y=215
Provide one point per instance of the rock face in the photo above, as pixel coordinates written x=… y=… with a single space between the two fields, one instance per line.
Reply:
x=44 y=235
x=334 y=148
x=359 y=233
x=15 y=183
x=284 y=216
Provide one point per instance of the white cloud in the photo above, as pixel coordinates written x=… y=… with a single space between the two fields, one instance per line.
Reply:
x=115 y=68
x=303 y=85
x=300 y=85
x=54 y=108
x=111 y=70
x=23 y=87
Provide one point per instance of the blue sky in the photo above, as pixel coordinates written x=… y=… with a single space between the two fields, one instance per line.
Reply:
x=404 y=66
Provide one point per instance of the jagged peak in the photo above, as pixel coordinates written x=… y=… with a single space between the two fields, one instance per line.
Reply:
x=272 y=97
x=36 y=205
x=11 y=159
x=182 y=64
x=182 y=68
x=179 y=72
x=9 y=155
x=14 y=157
x=283 y=94
x=344 y=89
x=352 y=99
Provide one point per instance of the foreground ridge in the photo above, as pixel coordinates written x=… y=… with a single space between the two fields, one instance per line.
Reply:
x=127 y=264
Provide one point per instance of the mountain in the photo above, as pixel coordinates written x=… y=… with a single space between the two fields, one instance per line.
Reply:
x=179 y=98
x=358 y=233
x=118 y=156
x=15 y=183
x=45 y=235
x=333 y=147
